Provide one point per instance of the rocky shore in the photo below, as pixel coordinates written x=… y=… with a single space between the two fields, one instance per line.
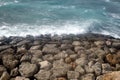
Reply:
x=67 y=57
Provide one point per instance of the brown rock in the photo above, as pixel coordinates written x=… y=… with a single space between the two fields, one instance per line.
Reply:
x=21 y=78
x=89 y=76
x=27 y=69
x=43 y=75
x=68 y=60
x=73 y=75
x=9 y=61
x=112 y=59
x=36 y=47
x=2 y=69
x=112 y=76
x=14 y=72
x=61 y=78
x=76 y=43
x=5 y=76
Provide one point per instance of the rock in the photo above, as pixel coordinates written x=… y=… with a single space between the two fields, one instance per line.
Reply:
x=81 y=61
x=50 y=49
x=9 y=61
x=21 y=78
x=106 y=49
x=69 y=52
x=112 y=59
x=73 y=57
x=27 y=69
x=97 y=68
x=68 y=60
x=36 y=56
x=36 y=47
x=36 y=42
x=108 y=43
x=106 y=68
x=116 y=44
x=36 y=53
x=5 y=76
x=2 y=69
x=76 y=43
x=61 y=55
x=112 y=76
x=45 y=65
x=48 y=57
x=88 y=69
x=99 y=77
x=88 y=76
x=73 y=75
x=4 y=47
x=113 y=50
x=77 y=48
x=61 y=78
x=14 y=72
x=118 y=67
x=36 y=60
x=26 y=57
x=23 y=42
x=99 y=43
x=60 y=68
x=43 y=75
x=59 y=71
x=22 y=50
x=80 y=69
x=66 y=46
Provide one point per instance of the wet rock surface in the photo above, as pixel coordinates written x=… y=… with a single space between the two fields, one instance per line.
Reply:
x=70 y=57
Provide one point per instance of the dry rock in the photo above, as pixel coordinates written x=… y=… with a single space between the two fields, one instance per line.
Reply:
x=88 y=77
x=43 y=75
x=9 y=61
x=14 y=72
x=36 y=47
x=5 y=76
x=45 y=65
x=76 y=43
x=80 y=69
x=73 y=75
x=112 y=59
x=97 y=68
x=27 y=69
x=21 y=78
x=106 y=68
x=2 y=69
x=81 y=61
x=112 y=76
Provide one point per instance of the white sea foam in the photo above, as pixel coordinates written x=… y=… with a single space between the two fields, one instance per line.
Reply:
x=66 y=28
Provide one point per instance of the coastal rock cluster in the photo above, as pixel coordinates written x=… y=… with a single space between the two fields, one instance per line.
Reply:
x=67 y=57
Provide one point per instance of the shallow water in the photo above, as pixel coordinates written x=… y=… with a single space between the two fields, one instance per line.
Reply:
x=35 y=17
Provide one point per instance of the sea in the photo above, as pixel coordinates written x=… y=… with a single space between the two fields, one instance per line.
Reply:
x=36 y=17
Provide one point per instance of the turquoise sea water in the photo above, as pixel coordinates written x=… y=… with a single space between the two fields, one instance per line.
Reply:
x=35 y=17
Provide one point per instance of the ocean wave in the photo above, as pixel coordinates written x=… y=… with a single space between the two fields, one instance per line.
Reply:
x=4 y=3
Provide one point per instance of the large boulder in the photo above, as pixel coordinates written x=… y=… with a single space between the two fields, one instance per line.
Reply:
x=9 y=61
x=27 y=69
